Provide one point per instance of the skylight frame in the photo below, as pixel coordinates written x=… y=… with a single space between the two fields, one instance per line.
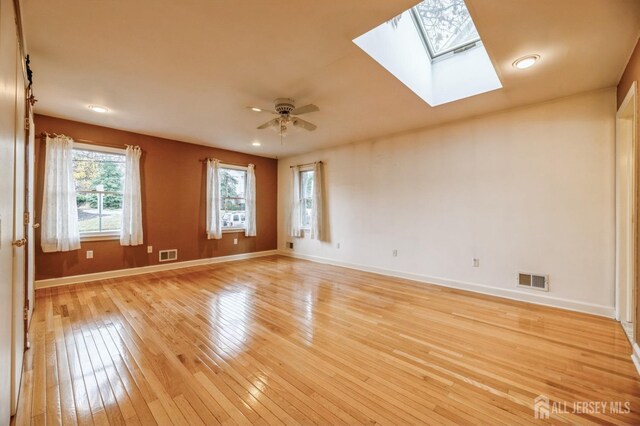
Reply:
x=460 y=47
x=398 y=47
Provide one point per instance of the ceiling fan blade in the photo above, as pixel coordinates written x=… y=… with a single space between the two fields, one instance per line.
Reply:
x=299 y=122
x=256 y=109
x=305 y=109
x=273 y=123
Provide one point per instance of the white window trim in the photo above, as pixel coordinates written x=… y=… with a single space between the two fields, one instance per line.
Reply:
x=100 y=236
x=233 y=166
x=99 y=148
x=244 y=169
x=104 y=235
x=232 y=230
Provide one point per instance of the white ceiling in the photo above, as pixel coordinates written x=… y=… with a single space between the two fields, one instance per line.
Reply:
x=188 y=69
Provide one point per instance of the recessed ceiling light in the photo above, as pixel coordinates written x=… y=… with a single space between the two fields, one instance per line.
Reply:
x=256 y=109
x=98 y=108
x=526 y=61
x=256 y=143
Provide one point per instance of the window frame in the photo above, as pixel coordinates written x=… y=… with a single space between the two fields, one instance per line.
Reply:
x=459 y=48
x=243 y=169
x=307 y=169
x=100 y=235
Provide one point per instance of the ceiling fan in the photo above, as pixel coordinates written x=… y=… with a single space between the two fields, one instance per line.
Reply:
x=285 y=109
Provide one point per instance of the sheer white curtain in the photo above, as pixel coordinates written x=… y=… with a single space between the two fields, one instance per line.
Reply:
x=317 y=203
x=59 y=210
x=131 y=229
x=294 y=221
x=250 y=224
x=214 y=224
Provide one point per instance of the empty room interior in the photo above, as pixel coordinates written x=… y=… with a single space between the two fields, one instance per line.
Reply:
x=319 y=212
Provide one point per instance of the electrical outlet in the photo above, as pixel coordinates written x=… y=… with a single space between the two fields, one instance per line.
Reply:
x=338 y=245
x=395 y=253
x=235 y=241
x=475 y=262
x=149 y=249
x=289 y=245
x=89 y=254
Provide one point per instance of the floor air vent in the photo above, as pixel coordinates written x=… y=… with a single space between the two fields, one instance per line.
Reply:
x=534 y=281
x=168 y=255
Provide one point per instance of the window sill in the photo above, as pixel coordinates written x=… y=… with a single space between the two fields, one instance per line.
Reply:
x=304 y=232
x=99 y=237
x=232 y=230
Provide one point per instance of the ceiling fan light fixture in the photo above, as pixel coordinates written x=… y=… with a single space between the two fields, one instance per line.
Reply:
x=526 y=62
x=287 y=117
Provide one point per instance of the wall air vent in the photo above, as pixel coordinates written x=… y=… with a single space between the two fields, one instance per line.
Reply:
x=168 y=255
x=534 y=281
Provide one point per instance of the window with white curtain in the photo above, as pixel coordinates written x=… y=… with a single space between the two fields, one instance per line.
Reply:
x=99 y=179
x=233 y=198
x=307 y=210
x=306 y=198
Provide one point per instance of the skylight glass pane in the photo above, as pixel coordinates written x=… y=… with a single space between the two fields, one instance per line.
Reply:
x=447 y=25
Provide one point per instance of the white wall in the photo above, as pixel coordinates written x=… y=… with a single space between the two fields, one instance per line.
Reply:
x=528 y=189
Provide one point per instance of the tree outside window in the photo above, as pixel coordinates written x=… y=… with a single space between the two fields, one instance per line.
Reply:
x=99 y=177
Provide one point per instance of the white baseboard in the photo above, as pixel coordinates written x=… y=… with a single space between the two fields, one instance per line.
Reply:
x=522 y=296
x=75 y=279
x=635 y=356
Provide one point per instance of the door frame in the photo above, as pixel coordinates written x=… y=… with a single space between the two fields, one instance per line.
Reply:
x=21 y=303
x=625 y=292
x=29 y=181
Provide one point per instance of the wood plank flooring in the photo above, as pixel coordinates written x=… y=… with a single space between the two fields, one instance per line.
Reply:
x=282 y=341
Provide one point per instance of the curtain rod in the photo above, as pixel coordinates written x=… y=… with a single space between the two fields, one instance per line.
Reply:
x=110 y=145
x=204 y=160
x=306 y=164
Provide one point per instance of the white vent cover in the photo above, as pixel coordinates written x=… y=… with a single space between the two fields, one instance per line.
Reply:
x=168 y=255
x=534 y=281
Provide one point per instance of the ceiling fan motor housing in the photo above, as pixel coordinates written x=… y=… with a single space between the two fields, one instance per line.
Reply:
x=284 y=106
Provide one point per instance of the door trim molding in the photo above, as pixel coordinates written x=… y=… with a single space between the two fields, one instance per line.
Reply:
x=630 y=97
x=635 y=356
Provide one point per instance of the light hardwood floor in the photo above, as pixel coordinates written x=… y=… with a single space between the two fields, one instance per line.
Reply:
x=276 y=340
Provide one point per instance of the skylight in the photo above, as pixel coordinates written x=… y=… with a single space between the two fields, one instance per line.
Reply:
x=445 y=26
x=435 y=50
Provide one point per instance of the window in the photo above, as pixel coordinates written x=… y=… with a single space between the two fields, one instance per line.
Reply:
x=446 y=26
x=435 y=50
x=99 y=177
x=306 y=201
x=233 y=183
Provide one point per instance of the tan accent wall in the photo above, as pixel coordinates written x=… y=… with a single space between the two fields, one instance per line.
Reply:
x=173 y=198
x=631 y=74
